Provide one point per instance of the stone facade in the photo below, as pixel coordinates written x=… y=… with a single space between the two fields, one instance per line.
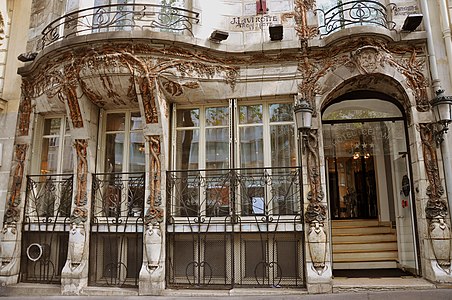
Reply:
x=86 y=68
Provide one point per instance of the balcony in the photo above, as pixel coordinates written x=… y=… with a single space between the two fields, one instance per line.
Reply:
x=118 y=198
x=353 y=13
x=120 y=17
x=48 y=198
x=262 y=195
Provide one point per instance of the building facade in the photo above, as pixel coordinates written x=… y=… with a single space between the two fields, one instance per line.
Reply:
x=156 y=145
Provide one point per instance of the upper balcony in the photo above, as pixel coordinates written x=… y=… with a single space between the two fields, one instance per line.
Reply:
x=119 y=17
x=347 y=14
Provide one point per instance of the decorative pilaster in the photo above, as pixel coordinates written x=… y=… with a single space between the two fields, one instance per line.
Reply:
x=11 y=232
x=318 y=268
x=436 y=210
x=152 y=273
x=75 y=272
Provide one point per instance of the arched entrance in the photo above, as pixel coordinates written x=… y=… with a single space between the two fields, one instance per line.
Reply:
x=369 y=187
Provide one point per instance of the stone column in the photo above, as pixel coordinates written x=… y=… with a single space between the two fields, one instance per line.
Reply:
x=84 y=124
x=438 y=242
x=11 y=234
x=154 y=110
x=318 y=262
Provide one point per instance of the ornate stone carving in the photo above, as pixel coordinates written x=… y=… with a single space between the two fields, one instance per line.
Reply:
x=12 y=213
x=76 y=245
x=147 y=66
x=436 y=210
x=82 y=172
x=305 y=32
x=24 y=110
x=154 y=215
x=368 y=57
x=316 y=210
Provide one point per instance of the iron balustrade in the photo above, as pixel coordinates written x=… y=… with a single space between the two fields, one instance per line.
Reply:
x=116 y=243
x=46 y=227
x=261 y=193
x=119 y=17
x=235 y=227
x=118 y=196
x=48 y=196
x=353 y=13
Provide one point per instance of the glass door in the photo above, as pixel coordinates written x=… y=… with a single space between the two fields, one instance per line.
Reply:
x=404 y=215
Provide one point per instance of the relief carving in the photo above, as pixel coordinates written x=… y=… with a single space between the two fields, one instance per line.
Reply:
x=154 y=215
x=25 y=109
x=367 y=56
x=316 y=210
x=12 y=213
x=2 y=30
x=305 y=32
x=436 y=209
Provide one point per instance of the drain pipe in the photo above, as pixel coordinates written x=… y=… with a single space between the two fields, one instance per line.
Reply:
x=436 y=83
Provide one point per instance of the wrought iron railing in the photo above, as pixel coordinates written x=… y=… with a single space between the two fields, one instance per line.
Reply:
x=258 y=192
x=118 y=196
x=235 y=227
x=48 y=196
x=353 y=13
x=120 y=17
x=116 y=241
x=46 y=226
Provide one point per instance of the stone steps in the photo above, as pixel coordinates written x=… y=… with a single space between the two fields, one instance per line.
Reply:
x=363 y=244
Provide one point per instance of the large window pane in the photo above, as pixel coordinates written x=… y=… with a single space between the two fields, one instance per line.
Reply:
x=68 y=158
x=250 y=114
x=49 y=155
x=217 y=116
x=187 y=144
x=217 y=148
x=52 y=126
x=187 y=118
x=136 y=153
x=282 y=146
x=251 y=147
x=114 y=152
x=280 y=112
x=116 y=122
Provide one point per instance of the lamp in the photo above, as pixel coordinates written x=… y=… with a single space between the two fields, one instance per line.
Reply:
x=303 y=115
x=442 y=110
x=276 y=32
x=412 y=21
x=218 y=36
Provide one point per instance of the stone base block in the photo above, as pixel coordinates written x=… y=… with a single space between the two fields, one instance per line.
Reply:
x=73 y=281
x=152 y=282
x=440 y=275
x=319 y=288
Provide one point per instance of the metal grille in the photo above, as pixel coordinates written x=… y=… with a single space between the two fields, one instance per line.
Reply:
x=120 y=17
x=235 y=227
x=116 y=245
x=351 y=13
x=46 y=226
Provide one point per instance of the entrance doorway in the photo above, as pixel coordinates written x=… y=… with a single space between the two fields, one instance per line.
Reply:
x=369 y=186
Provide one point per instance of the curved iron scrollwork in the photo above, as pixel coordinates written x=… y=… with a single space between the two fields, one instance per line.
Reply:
x=116 y=243
x=120 y=17
x=199 y=268
x=269 y=273
x=235 y=227
x=351 y=13
x=46 y=226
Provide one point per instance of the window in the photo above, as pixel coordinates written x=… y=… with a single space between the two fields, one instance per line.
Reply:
x=120 y=188
x=243 y=144
x=56 y=153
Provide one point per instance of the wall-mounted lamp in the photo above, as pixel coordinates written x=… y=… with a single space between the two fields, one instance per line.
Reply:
x=276 y=32
x=412 y=22
x=442 y=110
x=218 y=36
x=303 y=115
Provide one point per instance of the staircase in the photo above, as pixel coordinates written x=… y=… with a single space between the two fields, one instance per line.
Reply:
x=363 y=244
